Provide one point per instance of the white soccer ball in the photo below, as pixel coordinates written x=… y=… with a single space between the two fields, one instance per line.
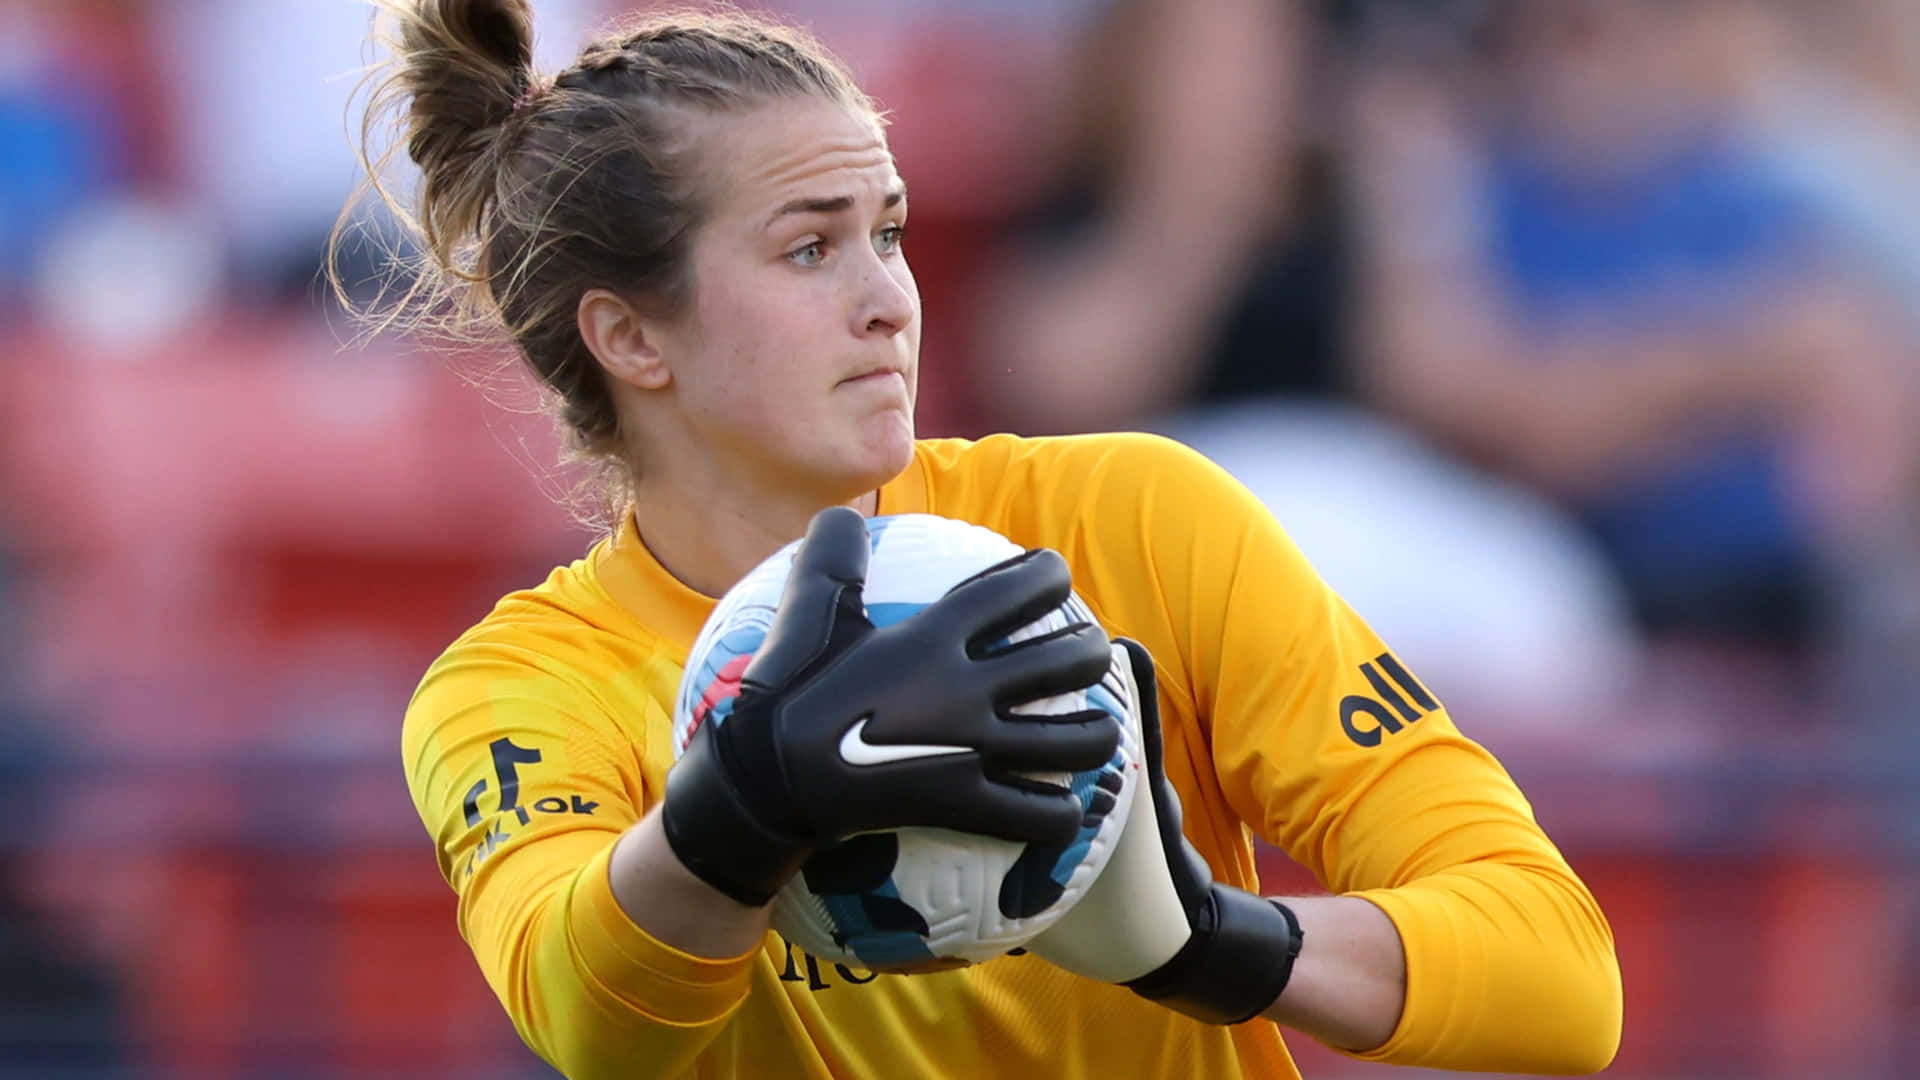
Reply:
x=919 y=899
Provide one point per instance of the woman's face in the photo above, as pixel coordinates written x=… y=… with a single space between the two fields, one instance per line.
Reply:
x=795 y=368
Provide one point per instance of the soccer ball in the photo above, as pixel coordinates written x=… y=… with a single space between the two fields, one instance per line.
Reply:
x=919 y=899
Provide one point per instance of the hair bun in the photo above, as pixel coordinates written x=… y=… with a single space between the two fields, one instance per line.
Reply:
x=462 y=64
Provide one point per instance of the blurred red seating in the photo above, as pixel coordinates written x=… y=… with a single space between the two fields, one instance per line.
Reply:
x=217 y=508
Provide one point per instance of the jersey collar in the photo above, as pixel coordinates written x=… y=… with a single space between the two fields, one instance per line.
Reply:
x=635 y=580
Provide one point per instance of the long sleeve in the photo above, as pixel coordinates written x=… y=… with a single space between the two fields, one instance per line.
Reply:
x=525 y=783
x=1285 y=713
x=1330 y=747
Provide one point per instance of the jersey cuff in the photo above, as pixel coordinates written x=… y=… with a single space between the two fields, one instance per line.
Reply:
x=668 y=985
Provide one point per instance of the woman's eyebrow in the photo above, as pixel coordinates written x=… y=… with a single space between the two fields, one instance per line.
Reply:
x=833 y=205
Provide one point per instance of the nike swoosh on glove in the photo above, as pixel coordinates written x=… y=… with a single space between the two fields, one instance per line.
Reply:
x=753 y=798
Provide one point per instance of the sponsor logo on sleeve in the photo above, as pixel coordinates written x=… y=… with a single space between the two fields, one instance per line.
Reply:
x=1397 y=701
x=509 y=810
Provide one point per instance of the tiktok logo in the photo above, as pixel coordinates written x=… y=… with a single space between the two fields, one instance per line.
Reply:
x=507 y=759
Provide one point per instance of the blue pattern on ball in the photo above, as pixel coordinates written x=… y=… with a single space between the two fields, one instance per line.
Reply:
x=887 y=614
x=877 y=949
x=1083 y=785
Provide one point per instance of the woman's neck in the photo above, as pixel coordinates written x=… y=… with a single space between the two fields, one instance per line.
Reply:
x=708 y=541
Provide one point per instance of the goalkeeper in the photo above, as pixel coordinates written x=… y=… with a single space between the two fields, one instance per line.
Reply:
x=693 y=235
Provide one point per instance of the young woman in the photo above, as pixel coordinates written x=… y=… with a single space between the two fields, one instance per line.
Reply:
x=693 y=236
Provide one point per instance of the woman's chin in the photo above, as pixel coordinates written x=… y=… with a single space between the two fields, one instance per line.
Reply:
x=885 y=448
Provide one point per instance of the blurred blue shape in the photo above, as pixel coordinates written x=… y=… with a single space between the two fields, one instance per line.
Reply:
x=59 y=150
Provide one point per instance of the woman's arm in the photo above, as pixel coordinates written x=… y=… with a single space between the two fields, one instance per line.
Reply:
x=663 y=898
x=1349 y=983
x=1286 y=715
x=524 y=786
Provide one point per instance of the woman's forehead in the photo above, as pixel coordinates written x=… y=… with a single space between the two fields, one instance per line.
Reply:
x=787 y=149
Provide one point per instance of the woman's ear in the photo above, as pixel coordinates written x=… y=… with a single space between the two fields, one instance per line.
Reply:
x=623 y=340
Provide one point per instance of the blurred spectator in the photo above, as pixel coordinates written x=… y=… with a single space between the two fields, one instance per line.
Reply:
x=1582 y=268
x=63 y=131
x=1189 y=270
x=1177 y=247
x=92 y=240
x=1834 y=98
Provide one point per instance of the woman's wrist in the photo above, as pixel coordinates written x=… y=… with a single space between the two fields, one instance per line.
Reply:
x=671 y=903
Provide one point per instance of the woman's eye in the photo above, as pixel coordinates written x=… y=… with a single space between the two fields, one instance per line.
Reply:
x=809 y=255
x=890 y=238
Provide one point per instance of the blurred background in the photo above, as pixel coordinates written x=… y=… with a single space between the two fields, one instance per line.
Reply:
x=1574 y=340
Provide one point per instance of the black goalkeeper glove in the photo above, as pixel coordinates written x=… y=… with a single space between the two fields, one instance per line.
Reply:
x=1155 y=921
x=843 y=728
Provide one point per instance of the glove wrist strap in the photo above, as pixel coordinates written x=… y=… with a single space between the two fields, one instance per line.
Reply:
x=1236 y=963
x=717 y=837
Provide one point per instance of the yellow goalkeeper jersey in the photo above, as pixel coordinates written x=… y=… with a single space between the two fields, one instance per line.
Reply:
x=544 y=732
